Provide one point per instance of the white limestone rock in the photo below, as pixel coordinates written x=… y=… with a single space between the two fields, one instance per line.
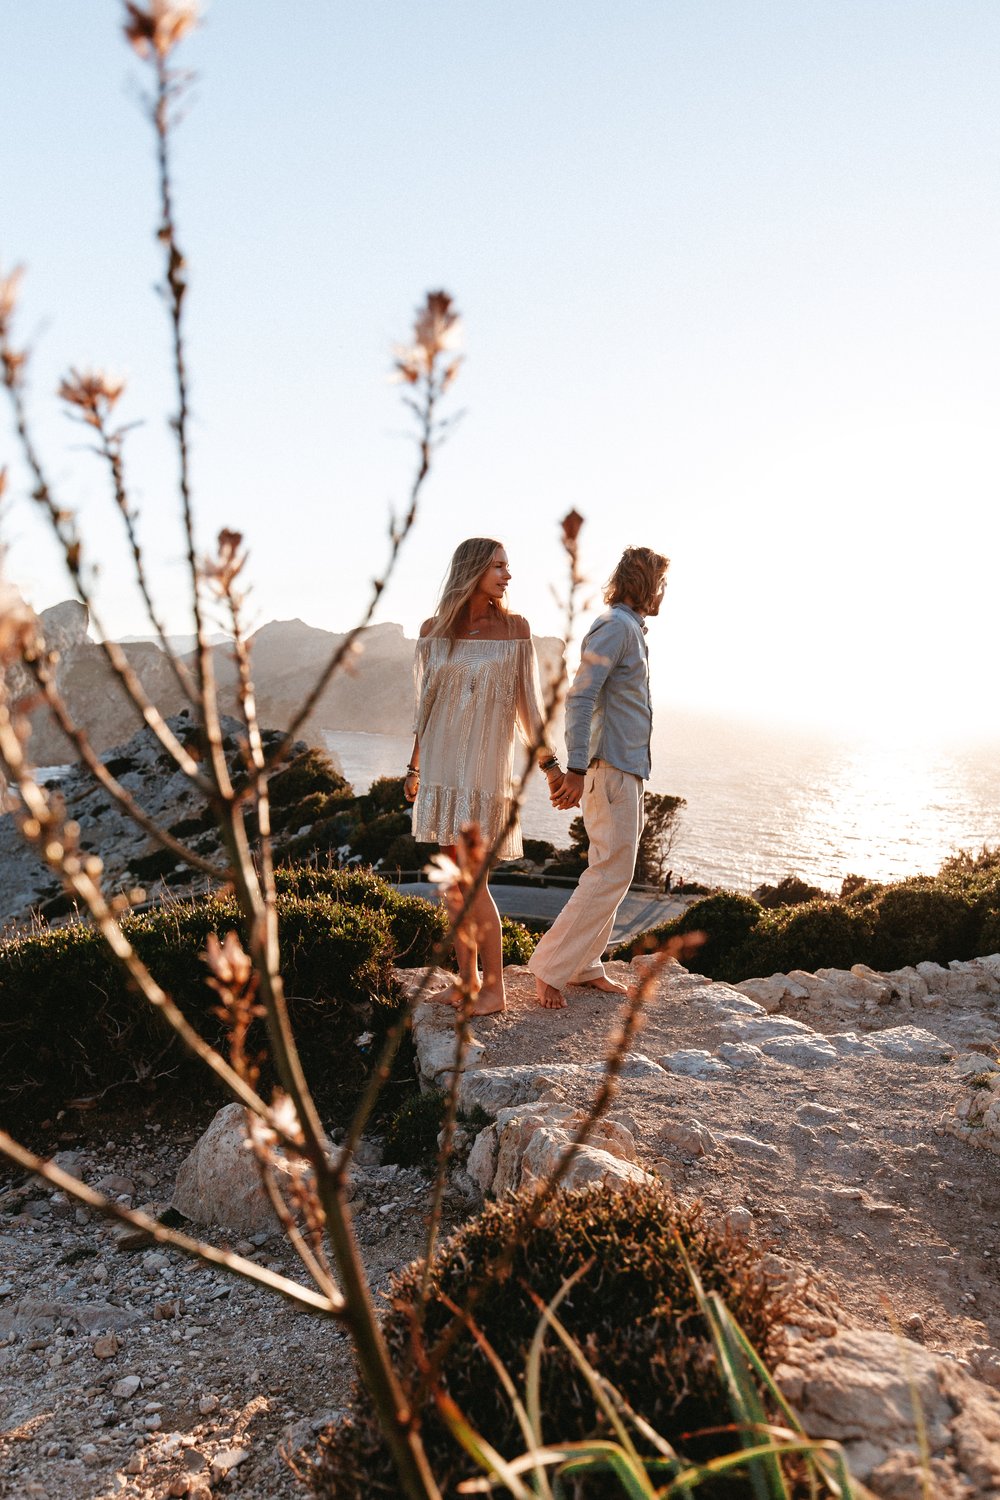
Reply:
x=812 y=1051
x=218 y=1182
x=482 y=1163
x=590 y=1165
x=911 y=1044
x=774 y=992
x=689 y=1137
x=849 y=1044
x=741 y=1054
x=848 y=984
x=859 y=1388
x=693 y=1062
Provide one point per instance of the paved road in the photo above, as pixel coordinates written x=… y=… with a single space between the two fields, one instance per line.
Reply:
x=639 y=911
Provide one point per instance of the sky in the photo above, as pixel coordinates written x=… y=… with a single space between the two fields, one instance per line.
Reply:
x=728 y=278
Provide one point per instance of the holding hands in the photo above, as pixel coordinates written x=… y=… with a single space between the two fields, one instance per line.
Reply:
x=568 y=791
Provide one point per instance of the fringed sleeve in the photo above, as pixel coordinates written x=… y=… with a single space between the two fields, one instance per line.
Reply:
x=420 y=660
x=529 y=712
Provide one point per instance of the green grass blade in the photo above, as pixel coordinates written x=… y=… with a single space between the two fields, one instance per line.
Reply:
x=534 y=1364
x=597 y=1386
x=476 y=1446
x=532 y=1435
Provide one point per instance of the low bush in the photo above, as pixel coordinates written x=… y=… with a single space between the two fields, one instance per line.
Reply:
x=415 y=925
x=518 y=943
x=921 y=920
x=726 y=919
x=633 y=1310
x=790 y=891
x=70 y=1027
x=818 y=935
x=308 y=774
x=410 y=1133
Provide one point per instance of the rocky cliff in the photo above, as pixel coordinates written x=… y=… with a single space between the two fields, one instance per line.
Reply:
x=288 y=656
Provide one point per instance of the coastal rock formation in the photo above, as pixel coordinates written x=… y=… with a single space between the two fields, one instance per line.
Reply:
x=374 y=695
x=837 y=1145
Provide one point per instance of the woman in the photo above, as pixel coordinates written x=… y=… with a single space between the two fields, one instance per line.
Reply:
x=476 y=687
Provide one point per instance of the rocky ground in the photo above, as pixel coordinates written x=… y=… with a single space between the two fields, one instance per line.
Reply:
x=811 y=1117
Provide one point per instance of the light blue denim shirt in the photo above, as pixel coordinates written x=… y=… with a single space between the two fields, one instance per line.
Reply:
x=609 y=715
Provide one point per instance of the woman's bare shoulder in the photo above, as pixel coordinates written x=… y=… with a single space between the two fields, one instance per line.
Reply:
x=520 y=630
x=426 y=627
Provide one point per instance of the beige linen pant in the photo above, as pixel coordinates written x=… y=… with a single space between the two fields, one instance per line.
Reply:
x=570 y=952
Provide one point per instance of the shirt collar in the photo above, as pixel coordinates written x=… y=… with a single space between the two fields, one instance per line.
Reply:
x=637 y=617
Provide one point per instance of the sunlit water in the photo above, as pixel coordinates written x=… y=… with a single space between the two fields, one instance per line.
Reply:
x=763 y=803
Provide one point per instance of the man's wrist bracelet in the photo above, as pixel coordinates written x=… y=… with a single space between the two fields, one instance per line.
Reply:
x=573 y=771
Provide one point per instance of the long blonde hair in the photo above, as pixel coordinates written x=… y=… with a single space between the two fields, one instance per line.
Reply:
x=638 y=577
x=469 y=562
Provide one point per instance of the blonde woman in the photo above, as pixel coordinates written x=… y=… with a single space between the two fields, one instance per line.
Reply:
x=476 y=682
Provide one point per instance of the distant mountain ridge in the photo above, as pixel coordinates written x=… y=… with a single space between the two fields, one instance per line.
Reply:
x=373 y=695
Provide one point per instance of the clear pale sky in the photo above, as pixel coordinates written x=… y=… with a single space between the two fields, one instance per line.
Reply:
x=729 y=275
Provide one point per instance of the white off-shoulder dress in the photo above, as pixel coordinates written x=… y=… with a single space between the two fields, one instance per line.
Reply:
x=473 y=698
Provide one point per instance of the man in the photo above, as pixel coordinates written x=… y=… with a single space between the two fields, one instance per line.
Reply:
x=609 y=719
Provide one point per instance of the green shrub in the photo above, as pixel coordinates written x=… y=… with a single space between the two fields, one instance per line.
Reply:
x=538 y=850
x=71 y=1027
x=518 y=943
x=790 y=891
x=416 y=925
x=307 y=774
x=633 y=1311
x=410 y=1135
x=988 y=938
x=727 y=920
x=818 y=935
x=920 y=920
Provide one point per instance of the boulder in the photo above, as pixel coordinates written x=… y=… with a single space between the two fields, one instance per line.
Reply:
x=219 y=1181
x=689 y=1137
x=774 y=992
x=812 y=1051
x=590 y=1165
x=859 y=1388
x=741 y=1054
x=693 y=1062
x=911 y=1044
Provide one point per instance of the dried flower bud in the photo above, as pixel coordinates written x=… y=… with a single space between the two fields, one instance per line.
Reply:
x=9 y=286
x=442 y=871
x=159 y=26
x=222 y=570
x=93 y=391
x=571 y=526
x=230 y=966
x=18 y=626
x=437 y=328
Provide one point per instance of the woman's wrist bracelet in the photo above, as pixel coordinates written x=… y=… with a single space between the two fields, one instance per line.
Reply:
x=413 y=770
x=551 y=764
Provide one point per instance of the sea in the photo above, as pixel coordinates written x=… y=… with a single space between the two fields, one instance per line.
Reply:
x=763 y=803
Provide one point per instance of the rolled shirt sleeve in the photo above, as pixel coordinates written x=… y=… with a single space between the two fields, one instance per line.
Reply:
x=609 y=715
x=603 y=646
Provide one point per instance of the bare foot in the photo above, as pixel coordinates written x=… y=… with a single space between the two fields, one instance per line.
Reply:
x=484 y=1002
x=549 y=998
x=489 y=1002
x=605 y=985
x=454 y=997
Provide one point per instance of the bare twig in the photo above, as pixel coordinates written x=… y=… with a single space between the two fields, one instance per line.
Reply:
x=331 y=1305
x=40 y=670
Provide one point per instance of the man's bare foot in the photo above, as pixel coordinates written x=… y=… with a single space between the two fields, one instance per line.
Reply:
x=605 y=985
x=549 y=998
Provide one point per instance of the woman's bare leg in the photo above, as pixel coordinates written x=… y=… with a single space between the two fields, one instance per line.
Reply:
x=466 y=948
x=492 y=997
